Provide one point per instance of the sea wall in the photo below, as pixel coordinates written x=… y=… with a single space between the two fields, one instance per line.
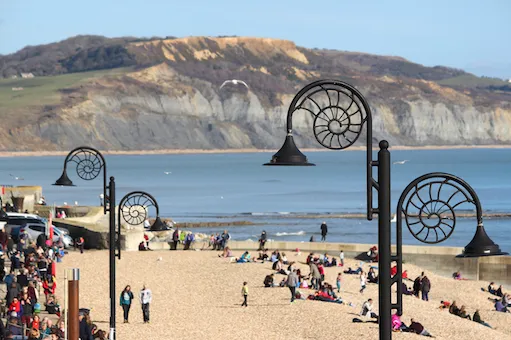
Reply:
x=441 y=260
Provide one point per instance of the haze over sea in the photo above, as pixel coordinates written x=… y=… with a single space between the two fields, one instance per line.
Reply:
x=218 y=187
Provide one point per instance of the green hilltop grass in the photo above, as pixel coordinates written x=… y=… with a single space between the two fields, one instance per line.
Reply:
x=471 y=81
x=41 y=91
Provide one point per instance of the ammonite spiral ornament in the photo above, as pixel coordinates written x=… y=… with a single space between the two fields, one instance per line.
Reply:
x=134 y=207
x=339 y=112
x=88 y=163
x=430 y=208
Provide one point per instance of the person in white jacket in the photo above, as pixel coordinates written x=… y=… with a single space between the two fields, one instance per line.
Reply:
x=145 y=299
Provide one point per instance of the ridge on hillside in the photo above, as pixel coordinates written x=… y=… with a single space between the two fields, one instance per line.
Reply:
x=162 y=93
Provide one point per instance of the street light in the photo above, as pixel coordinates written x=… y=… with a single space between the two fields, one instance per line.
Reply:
x=89 y=163
x=428 y=205
x=338 y=112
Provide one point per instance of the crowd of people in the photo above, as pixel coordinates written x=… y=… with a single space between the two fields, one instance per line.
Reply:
x=31 y=289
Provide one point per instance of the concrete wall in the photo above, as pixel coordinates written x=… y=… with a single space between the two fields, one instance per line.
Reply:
x=31 y=195
x=441 y=260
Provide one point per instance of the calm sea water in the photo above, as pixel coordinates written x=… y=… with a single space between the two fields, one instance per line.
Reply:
x=237 y=187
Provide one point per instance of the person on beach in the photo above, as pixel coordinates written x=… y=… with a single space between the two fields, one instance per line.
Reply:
x=81 y=244
x=146 y=297
x=262 y=240
x=175 y=239
x=491 y=288
x=244 y=293
x=418 y=328
x=226 y=253
x=416 y=286
x=125 y=301
x=225 y=239
x=367 y=310
x=464 y=314
x=84 y=329
x=269 y=281
x=324 y=231
x=453 y=309
x=371 y=276
x=363 y=280
x=341 y=256
x=477 y=318
x=338 y=282
x=292 y=282
x=444 y=305
x=425 y=288
x=315 y=275
x=397 y=324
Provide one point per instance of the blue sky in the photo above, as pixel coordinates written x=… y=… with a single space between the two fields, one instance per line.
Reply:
x=473 y=35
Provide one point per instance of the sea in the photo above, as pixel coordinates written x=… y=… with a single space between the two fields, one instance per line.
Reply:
x=289 y=203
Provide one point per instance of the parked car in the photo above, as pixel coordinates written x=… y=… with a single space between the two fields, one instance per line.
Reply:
x=33 y=231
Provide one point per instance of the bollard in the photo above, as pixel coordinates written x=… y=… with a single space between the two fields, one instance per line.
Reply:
x=74 y=303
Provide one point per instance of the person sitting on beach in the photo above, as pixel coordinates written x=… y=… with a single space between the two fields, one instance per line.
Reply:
x=405 y=289
x=397 y=324
x=463 y=313
x=283 y=282
x=268 y=281
x=499 y=307
x=453 y=309
x=275 y=256
x=499 y=292
x=456 y=275
x=226 y=253
x=283 y=257
x=417 y=328
x=367 y=310
x=142 y=246
x=477 y=318
x=263 y=256
x=491 y=288
x=506 y=300
x=279 y=267
x=444 y=305
x=371 y=276
x=245 y=257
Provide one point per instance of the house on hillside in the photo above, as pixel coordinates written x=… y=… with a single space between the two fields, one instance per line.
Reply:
x=27 y=75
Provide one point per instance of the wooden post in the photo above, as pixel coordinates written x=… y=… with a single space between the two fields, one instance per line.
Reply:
x=74 y=303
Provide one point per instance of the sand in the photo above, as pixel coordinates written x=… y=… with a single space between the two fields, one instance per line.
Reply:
x=197 y=295
x=220 y=151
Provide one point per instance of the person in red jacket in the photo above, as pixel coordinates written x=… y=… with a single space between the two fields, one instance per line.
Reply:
x=15 y=306
x=49 y=286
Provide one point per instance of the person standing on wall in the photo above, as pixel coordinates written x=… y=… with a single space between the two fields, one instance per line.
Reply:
x=145 y=299
x=324 y=231
x=262 y=240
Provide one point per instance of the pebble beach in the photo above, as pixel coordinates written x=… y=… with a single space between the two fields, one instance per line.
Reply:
x=197 y=295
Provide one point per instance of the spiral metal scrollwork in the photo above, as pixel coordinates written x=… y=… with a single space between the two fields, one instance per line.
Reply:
x=134 y=207
x=339 y=112
x=88 y=163
x=430 y=207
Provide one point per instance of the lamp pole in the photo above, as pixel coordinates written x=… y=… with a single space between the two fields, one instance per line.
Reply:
x=89 y=163
x=428 y=206
x=339 y=111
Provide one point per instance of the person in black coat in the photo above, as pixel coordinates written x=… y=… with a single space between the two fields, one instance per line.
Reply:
x=324 y=231
x=262 y=240
x=425 y=288
x=417 y=286
x=85 y=331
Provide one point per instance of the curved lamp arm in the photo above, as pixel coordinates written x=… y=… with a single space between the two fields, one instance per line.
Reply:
x=89 y=163
x=339 y=112
x=428 y=206
x=133 y=208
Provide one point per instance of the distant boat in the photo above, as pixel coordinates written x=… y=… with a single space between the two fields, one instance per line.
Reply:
x=401 y=162
x=394 y=219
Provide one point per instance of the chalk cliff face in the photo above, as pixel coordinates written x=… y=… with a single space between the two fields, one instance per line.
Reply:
x=170 y=98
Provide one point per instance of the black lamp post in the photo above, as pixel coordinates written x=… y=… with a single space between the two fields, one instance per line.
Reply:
x=339 y=111
x=428 y=205
x=89 y=163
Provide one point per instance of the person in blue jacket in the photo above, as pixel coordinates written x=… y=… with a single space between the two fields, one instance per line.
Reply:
x=125 y=300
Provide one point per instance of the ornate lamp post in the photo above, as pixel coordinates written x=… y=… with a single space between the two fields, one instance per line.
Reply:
x=89 y=163
x=339 y=111
x=428 y=205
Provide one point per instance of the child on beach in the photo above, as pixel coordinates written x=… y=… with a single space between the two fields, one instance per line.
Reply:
x=339 y=279
x=362 y=281
x=244 y=293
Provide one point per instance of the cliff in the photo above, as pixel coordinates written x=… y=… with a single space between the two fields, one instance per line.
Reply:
x=129 y=94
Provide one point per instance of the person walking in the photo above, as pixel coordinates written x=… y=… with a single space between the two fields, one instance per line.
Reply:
x=262 y=240
x=175 y=239
x=341 y=256
x=145 y=299
x=363 y=280
x=324 y=231
x=244 y=293
x=125 y=301
x=292 y=282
